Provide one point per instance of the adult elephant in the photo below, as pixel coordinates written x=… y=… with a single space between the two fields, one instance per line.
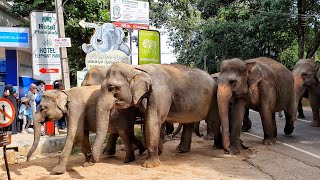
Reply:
x=307 y=79
x=175 y=93
x=94 y=76
x=261 y=84
x=79 y=105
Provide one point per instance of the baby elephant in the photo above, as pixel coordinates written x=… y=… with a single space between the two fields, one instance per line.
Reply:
x=79 y=105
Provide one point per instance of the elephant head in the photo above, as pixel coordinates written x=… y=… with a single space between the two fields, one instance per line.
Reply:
x=123 y=87
x=237 y=79
x=53 y=106
x=308 y=70
x=94 y=76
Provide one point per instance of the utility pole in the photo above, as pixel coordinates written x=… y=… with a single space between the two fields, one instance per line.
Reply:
x=63 y=50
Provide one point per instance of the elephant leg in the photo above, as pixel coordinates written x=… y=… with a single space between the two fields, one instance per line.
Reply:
x=209 y=135
x=196 y=129
x=110 y=148
x=86 y=148
x=315 y=104
x=160 y=147
x=72 y=128
x=290 y=114
x=275 y=132
x=300 y=110
x=246 y=125
x=186 y=138
x=235 y=126
x=268 y=126
x=139 y=144
x=169 y=128
x=177 y=130
x=125 y=136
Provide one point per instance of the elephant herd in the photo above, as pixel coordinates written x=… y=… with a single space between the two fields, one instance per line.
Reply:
x=110 y=99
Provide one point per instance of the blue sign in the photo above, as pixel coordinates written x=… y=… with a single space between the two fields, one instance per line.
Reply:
x=14 y=37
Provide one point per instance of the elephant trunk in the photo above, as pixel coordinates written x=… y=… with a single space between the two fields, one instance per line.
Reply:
x=37 y=133
x=224 y=95
x=299 y=91
x=104 y=107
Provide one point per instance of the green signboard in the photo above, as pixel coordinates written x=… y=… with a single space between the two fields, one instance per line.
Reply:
x=149 y=47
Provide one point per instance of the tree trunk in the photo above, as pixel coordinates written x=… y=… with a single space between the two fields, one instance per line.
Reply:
x=301 y=30
x=315 y=45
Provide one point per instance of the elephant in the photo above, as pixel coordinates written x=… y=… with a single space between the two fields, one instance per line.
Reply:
x=79 y=105
x=307 y=79
x=163 y=92
x=195 y=129
x=94 y=76
x=261 y=84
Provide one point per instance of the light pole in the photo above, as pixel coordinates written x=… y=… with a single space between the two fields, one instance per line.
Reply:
x=63 y=50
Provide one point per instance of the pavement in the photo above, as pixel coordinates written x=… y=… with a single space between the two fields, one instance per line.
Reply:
x=21 y=143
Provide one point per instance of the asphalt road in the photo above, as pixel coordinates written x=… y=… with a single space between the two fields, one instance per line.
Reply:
x=296 y=156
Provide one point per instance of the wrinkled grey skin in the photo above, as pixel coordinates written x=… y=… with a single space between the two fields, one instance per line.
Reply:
x=96 y=75
x=174 y=93
x=307 y=78
x=79 y=105
x=261 y=84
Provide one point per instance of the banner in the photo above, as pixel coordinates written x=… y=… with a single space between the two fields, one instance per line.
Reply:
x=45 y=55
x=149 y=47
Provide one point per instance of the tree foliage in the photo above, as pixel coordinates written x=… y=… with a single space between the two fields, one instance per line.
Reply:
x=212 y=30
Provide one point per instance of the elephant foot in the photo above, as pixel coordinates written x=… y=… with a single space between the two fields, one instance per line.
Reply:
x=109 y=151
x=152 y=162
x=314 y=123
x=59 y=169
x=183 y=148
x=208 y=137
x=129 y=158
x=87 y=164
x=301 y=116
x=232 y=150
x=269 y=141
x=199 y=134
x=217 y=146
x=288 y=129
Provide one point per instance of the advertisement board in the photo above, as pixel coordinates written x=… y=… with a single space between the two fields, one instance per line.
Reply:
x=15 y=37
x=45 y=55
x=149 y=47
x=131 y=11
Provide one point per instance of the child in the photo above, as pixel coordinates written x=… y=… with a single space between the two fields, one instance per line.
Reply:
x=25 y=114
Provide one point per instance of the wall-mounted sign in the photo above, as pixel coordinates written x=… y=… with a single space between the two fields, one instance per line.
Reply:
x=14 y=37
x=45 y=55
x=105 y=59
x=62 y=42
x=131 y=11
x=149 y=47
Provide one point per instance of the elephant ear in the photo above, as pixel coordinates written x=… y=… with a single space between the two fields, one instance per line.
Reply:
x=140 y=85
x=254 y=73
x=318 y=72
x=61 y=100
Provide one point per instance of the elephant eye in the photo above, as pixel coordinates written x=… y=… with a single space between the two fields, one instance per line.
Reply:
x=232 y=82
x=113 y=88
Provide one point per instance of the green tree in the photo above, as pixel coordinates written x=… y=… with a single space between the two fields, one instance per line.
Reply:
x=74 y=11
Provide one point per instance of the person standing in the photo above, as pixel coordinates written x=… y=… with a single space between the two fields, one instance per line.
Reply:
x=32 y=93
x=9 y=94
x=25 y=114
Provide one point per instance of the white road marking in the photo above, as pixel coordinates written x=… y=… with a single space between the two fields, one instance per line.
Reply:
x=288 y=145
x=283 y=116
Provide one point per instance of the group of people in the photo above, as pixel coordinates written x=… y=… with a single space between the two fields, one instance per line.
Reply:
x=25 y=108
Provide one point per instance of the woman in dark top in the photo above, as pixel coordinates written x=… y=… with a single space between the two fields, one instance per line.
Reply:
x=9 y=94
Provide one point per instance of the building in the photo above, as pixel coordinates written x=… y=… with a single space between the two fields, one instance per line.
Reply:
x=15 y=51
